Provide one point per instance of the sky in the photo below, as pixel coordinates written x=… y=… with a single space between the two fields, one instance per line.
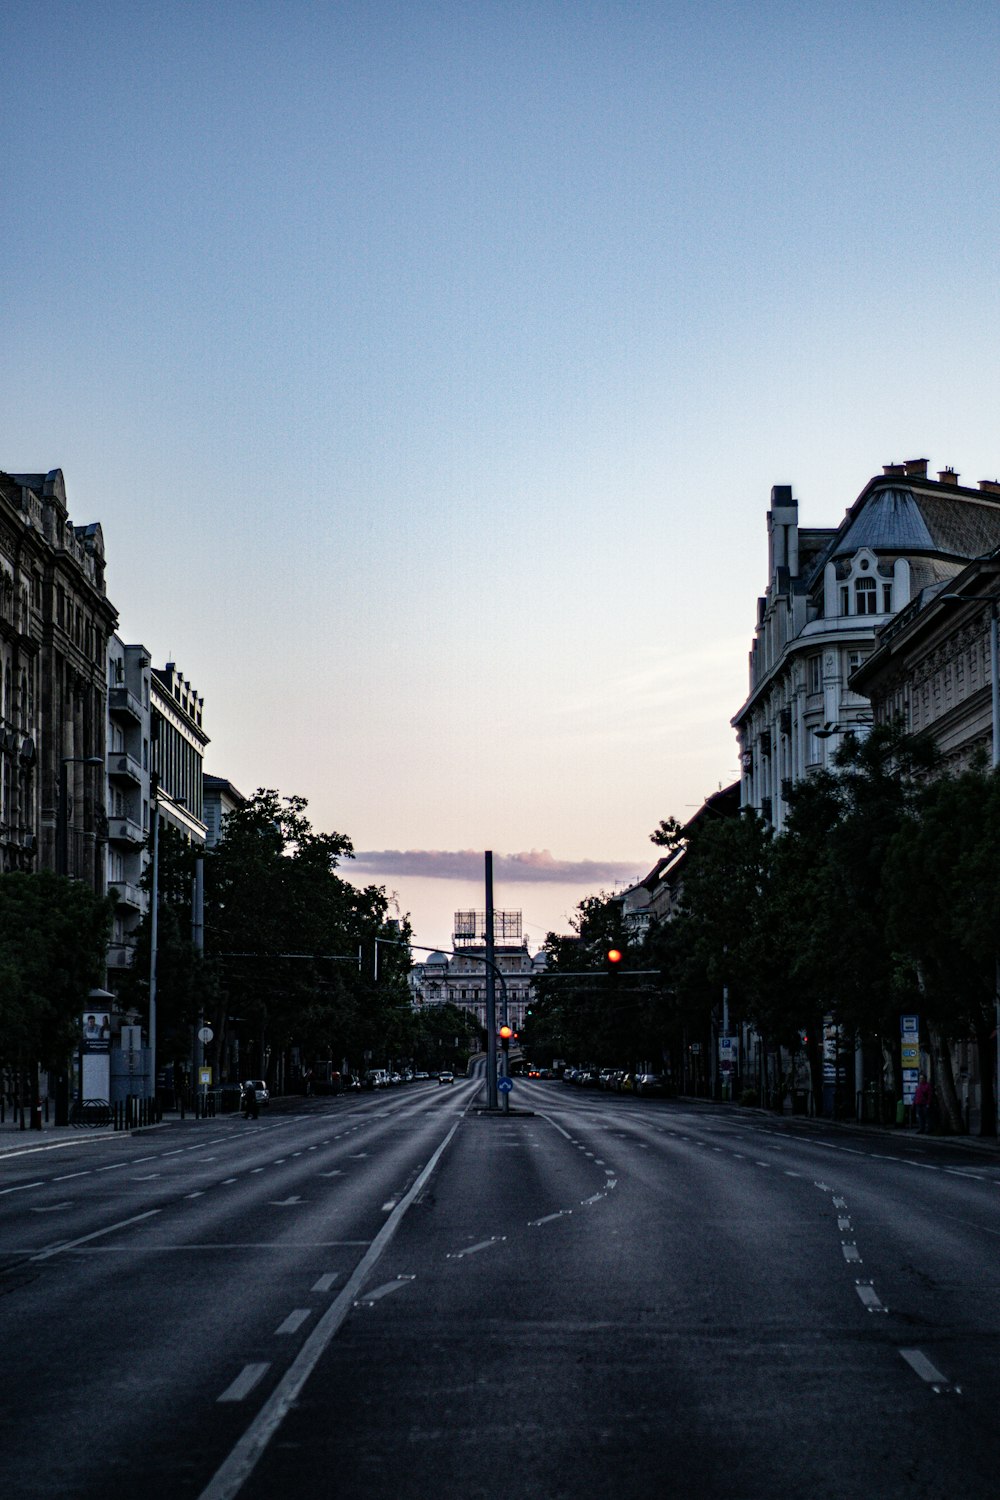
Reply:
x=428 y=367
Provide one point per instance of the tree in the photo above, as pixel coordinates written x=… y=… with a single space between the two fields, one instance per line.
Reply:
x=53 y=941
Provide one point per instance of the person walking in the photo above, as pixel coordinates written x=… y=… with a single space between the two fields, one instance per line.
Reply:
x=922 y=1104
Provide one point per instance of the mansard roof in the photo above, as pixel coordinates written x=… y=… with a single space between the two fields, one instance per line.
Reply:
x=941 y=520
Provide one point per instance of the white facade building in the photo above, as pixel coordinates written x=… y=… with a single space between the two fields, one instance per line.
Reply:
x=459 y=978
x=828 y=592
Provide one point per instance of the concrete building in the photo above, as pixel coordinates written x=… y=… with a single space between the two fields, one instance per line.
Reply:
x=829 y=592
x=55 y=623
x=459 y=978
x=178 y=742
x=128 y=795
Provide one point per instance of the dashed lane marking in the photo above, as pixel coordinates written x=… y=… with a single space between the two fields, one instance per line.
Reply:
x=921 y=1365
x=379 y=1292
x=325 y=1282
x=870 y=1297
x=496 y=1239
x=294 y=1321
x=249 y=1376
x=851 y=1251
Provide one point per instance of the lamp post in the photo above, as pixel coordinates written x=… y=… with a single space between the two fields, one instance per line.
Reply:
x=62 y=828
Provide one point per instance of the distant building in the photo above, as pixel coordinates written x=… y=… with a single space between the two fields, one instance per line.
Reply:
x=459 y=978
x=55 y=623
x=829 y=592
x=220 y=799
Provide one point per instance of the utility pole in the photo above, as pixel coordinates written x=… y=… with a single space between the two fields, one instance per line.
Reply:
x=491 y=993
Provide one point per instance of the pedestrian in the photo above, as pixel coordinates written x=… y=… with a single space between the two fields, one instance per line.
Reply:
x=922 y=1103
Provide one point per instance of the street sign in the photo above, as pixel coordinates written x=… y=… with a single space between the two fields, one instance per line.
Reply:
x=504 y=1085
x=205 y=1034
x=205 y=1077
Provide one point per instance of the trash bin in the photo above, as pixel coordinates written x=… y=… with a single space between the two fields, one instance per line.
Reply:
x=900 y=1112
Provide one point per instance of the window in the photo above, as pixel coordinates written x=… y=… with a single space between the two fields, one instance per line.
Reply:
x=887 y=598
x=845 y=599
x=865 y=597
x=815 y=673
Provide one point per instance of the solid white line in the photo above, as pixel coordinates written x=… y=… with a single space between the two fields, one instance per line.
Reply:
x=249 y=1376
x=72 y=1244
x=294 y=1321
x=21 y=1187
x=229 y=1478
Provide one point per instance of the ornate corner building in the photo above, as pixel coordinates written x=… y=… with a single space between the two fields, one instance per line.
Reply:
x=55 y=625
x=829 y=593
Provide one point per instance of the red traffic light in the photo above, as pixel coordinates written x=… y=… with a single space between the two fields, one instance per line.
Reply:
x=614 y=957
x=506 y=1032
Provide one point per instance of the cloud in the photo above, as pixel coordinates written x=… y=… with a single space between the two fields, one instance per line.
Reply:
x=467 y=864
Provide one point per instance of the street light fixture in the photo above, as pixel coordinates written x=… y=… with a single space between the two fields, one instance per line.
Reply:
x=62 y=830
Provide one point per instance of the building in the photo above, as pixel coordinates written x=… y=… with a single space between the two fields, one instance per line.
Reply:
x=178 y=752
x=460 y=978
x=220 y=799
x=933 y=670
x=55 y=624
x=128 y=793
x=828 y=594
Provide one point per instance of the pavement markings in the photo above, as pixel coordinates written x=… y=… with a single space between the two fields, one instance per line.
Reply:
x=21 y=1187
x=294 y=1321
x=113 y=1166
x=96 y=1235
x=249 y=1376
x=338 y=1172
x=379 y=1292
x=199 y=1194
x=921 y=1365
x=228 y=1181
x=389 y=1205
x=284 y=1202
x=68 y=1175
x=869 y=1296
x=497 y=1239
x=851 y=1251
x=325 y=1282
x=549 y=1218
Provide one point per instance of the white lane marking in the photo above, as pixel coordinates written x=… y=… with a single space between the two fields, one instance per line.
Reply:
x=179 y=1151
x=249 y=1376
x=284 y=1202
x=69 y=1175
x=294 y=1321
x=97 y=1234
x=389 y=1205
x=21 y=1187
x=370 y=1298
x=851 y=1252
x=840 y=1202
x=586 y=1202
x=921 y=1365
x=52 y=1208
x=254 y=1170
x=232 y=1473
x=360 y=1156
x=972 y=1176
x=844 y=1225
x=226 y=1181
x=474 y=1249
x=762 y=1163
x=112 y=1166
x=325 y=1282
x=140 y=1160
x=337 y=1173
x=146 y=1177
x=549 y=1218
x=199 y=1194
x=824 y=1187
x=869 y=1296
x=792 y=1174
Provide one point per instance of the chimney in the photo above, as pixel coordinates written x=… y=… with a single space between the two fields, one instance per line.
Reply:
x=915 y=468
x=947 y=476
x=992 y=485
x=894 y=471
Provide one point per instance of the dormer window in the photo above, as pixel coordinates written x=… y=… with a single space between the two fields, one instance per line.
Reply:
x=865 y=596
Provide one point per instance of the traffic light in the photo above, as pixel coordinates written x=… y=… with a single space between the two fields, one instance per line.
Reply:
x=613 y=960
x=506 y=1032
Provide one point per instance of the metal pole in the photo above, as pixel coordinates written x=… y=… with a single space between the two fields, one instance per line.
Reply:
x=491 y=993
x=995 y=705
x=154 y=902
x=198 y=942
x=62 y=850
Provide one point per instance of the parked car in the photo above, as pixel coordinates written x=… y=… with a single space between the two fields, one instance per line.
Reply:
x=260 y=1089
x=446 y=1077
x=649 y=1083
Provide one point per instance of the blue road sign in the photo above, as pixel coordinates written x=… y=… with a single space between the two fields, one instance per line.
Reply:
x=505 y=1085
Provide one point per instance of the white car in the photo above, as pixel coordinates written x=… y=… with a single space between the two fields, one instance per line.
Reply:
x=261 y=1091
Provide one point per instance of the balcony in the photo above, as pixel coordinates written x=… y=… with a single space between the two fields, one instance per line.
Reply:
x=124 y=705
x=125 y=831
x=120 y=956
x=124 y=767
x=128 y=894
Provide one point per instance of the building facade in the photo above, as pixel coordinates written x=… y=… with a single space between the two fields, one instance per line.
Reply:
x=128 y=796
x=828 y=594
x=178 y=742
x=55 y=624
x=459 y=978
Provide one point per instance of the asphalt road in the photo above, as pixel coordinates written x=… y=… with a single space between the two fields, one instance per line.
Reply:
x=397 y=1295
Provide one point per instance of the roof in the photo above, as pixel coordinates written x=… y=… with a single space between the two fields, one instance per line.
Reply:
x=894 y=518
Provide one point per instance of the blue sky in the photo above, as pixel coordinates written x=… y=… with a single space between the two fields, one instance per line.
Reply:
x=428 y=367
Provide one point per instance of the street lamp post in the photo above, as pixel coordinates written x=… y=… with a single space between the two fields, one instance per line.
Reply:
x=62 y=828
